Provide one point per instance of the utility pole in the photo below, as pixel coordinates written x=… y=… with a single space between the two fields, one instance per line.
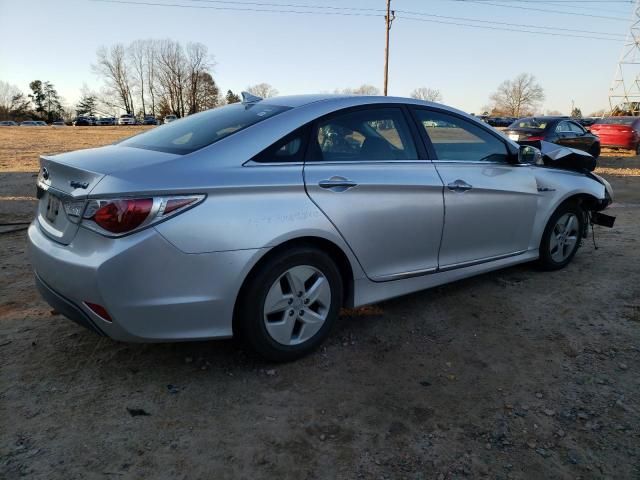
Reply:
x=389 y=18
x=624 y=94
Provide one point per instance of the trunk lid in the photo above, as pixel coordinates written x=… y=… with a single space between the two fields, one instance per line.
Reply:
x=70 y=177
x=517 y=134
x=60 y=184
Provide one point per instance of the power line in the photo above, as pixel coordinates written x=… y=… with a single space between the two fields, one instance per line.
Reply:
x=509 y=23
x=482 y=2
x=487 y=27
x=236 y=9
x=353 y=11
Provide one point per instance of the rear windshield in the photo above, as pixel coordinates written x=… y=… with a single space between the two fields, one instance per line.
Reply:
x=529 y=123
x=197 y=131
x=618 y=120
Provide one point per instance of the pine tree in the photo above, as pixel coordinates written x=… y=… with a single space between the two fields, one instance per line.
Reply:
x=232 y=97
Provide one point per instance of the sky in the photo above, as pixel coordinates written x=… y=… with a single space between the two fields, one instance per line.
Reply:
x=56 y=40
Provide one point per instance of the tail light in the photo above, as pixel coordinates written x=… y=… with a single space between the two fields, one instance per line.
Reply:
x=534 y=138
x=115 y=217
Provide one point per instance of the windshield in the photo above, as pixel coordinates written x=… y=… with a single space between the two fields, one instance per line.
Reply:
x=531 y=123
x=197 y=131
x=617 y=120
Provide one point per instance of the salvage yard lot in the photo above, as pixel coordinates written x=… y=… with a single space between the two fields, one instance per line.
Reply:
x=513 y=374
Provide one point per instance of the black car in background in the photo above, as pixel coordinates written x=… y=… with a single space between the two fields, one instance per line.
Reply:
x=563 y=131
x=150 y=120
x=83 y=122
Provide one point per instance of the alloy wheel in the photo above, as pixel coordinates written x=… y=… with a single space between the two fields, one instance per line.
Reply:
x=564 y=237
x=297 y=305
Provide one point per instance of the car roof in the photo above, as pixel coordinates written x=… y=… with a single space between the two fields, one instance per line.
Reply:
x=343 y=101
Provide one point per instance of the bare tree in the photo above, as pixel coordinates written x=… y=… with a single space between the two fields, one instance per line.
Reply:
x=364 y=89
x=172 y=75
x=112 y=66
x=427 y=94
x=519 y=96
x=199 y=80
x=137 y=52
x=151 y=56
x=7 y=93
x=263 y=90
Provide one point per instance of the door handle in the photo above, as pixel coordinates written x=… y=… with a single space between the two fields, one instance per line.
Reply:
x=338 y=184
x=459 y=186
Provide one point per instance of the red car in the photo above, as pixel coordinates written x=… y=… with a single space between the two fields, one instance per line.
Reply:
x=618 y=132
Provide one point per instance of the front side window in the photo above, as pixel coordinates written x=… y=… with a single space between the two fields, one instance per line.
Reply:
x=563 y=127
x=364 y=135
x=197 y=131
x=456 y=139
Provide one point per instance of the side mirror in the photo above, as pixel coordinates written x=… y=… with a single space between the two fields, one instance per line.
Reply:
x=530 y=155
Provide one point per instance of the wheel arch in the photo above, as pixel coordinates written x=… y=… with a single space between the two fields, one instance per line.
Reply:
x=333 y=250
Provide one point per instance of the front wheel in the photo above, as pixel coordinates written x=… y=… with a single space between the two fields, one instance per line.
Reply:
x=561 y=237
x=290 y=303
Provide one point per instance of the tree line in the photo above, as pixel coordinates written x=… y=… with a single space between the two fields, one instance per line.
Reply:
x=162 y=77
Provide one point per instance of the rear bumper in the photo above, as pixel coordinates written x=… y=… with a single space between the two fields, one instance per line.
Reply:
x=66 y=307
x=152 y=291
x=617 y=142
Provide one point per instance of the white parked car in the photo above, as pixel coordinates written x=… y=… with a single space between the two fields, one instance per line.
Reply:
x=127 y=119
x=170 y=118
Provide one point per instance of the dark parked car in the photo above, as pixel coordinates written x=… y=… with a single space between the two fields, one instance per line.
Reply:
x=587 y=122
x=560 y=130
x=8 y=123
x=619 y=132
x=150 y=120
x=83 y=122
x=106 y=121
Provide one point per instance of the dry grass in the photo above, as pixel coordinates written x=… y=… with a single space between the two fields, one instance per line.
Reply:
x=21 y=147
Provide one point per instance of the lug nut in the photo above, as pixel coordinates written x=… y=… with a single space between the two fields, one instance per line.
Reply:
x=291 y=312
x=301 y=313
x=299 y=294
x=306 y=301
x=290 y=301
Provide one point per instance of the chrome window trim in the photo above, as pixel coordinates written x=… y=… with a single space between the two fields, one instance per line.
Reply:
x=252 y=163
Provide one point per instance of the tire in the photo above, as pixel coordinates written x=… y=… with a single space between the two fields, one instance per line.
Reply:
x=558 y=247
x=594 y=151
x=280 y=323
x=638 y=148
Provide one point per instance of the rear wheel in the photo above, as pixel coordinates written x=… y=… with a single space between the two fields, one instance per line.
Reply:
x=594 y=151
x=561 y=238
x=290 y=303
x=638 y=148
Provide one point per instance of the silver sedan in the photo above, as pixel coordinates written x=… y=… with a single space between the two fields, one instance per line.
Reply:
x=262 y=219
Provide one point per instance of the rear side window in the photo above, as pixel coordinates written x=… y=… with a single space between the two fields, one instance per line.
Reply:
x=289 y=149
x=197 y=131
x=374 y=134
x=460 y=140
x=575 y=128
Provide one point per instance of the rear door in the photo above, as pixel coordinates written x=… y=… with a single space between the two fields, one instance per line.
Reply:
x=582 y=139
x=490 y=204
x=565 y=135
x=365 y=172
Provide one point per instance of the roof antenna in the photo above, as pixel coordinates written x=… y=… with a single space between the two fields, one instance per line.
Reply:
x=249 y=98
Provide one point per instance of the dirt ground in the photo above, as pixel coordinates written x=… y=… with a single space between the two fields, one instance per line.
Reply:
x=513 y=374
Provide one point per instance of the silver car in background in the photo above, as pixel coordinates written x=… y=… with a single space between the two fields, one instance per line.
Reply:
x=262 y=219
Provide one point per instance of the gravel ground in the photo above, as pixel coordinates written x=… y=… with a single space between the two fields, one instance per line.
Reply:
x=513 y=374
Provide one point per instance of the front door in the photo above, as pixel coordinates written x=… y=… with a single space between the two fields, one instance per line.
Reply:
x=490 y=204
x=363 y=172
